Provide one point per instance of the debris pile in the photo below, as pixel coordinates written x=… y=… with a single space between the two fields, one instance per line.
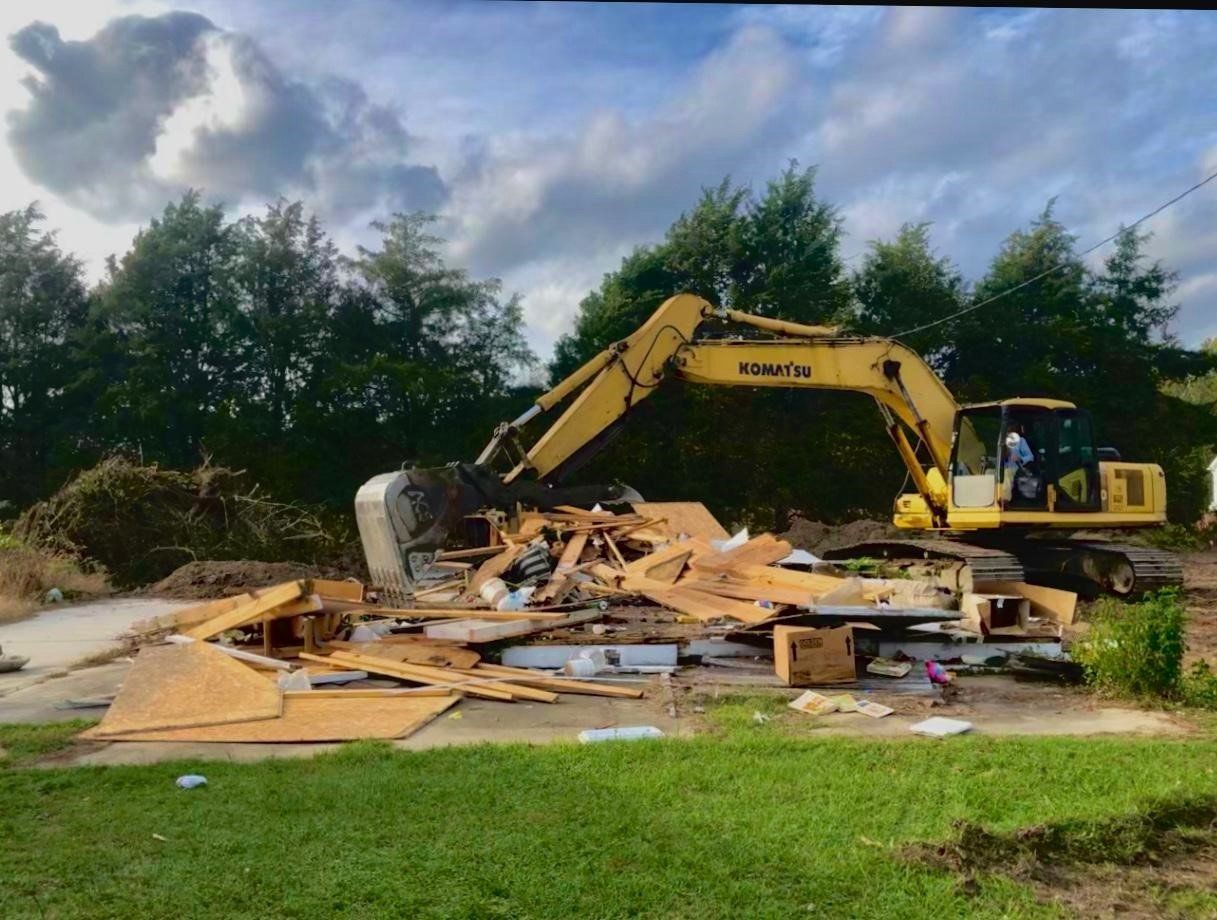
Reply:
x=562 y=602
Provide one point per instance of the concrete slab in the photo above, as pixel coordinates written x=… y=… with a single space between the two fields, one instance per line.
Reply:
x=59 y=637
x=470 y=722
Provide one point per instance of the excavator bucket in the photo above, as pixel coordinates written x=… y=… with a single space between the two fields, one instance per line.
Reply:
x=405 y=518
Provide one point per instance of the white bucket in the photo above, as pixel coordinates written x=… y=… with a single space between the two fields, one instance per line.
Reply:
x=494 y=591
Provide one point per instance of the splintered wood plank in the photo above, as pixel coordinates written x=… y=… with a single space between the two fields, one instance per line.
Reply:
x=181 y=686
x=463 y=681
x=251 y=612
x=558 y=581
x=338 y=590
x=474 y=631
x=495 y=566
x=416 y=674
x=662 y=565
x=191 y=616
x=813 y=582
x=561 y=685
x=760 y=550
x=691 y=518
x=316 y=717
x=724 y=587
x=357 y=693
x=703 y=605
x=420 y=652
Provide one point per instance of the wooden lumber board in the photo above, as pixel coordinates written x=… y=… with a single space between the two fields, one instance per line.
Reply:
x=182 y=686
x=703 y=605
x=311 y=717
x=360 y=693
x=420 y=652
x=458 y=678
x=251 y=612
x=460 y=613
x=334 y=590
x=495 y=566
x=691 y=518
x=760 y=550
x=472 y=552
x=525 y=629
x=419 y=674
x=814 y=582
x=559 y=582
x=191 y=616
x=561 y=685
x=664 y=564
x=726 y=587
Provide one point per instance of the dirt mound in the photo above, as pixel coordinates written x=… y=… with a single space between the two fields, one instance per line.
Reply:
x=816 y=537
x=205 y=580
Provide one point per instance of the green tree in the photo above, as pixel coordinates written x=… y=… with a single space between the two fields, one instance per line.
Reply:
x=902 y=284
x=418 y=364
x=43 y=305
x=167 y=336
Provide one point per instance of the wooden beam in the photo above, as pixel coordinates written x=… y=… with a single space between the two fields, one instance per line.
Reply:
x=250 y=612
x=548 y=682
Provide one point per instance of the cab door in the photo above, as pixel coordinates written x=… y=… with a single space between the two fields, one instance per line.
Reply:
x=1074 y=470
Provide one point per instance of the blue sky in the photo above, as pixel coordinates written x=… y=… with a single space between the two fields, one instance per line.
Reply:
x=553 y=138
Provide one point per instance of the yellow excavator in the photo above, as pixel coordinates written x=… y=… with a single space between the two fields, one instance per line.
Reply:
x=976 y=500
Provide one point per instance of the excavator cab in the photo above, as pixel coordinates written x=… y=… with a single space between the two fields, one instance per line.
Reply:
x=1056 y=469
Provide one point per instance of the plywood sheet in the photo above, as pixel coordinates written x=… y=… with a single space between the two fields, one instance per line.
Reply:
x=690 y=518
x=316 y=719
x=180 y=686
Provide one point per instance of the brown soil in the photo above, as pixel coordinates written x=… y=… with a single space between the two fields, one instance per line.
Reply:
x=1158 y=863
x=204 y=580
x=1200 y=596
x=816 y=537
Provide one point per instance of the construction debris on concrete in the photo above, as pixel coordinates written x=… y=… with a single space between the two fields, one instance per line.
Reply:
x=568 y=601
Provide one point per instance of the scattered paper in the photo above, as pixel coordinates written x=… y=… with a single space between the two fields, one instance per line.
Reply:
x=885 y=667
x=816 y=704
x=845 y=702
x=874 y=710
x=939 y=727
x=627 y=733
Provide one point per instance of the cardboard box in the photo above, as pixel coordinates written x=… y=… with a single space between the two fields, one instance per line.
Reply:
x=997 y=614
x=806 y=657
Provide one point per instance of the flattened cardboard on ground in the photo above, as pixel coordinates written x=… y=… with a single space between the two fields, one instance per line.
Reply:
x=804 y=657
x=182 y=686
x=317 y=717
x=1051 y=603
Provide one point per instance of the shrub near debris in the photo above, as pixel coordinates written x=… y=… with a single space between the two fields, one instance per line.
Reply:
x=28 y=573
x=142 y=522
x=1136 y=650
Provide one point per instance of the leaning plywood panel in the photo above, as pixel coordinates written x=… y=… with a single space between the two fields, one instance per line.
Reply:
x=316 y=719
x=180 y=686
x=689 y=518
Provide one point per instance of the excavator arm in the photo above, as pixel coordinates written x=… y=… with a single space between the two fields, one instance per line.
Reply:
x=908 y=392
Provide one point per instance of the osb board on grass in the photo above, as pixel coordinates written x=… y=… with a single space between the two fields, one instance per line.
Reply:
x=326 y=718
x=182 y=686
x=690 y=518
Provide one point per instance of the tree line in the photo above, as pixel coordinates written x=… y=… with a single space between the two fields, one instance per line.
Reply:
x=257 y=343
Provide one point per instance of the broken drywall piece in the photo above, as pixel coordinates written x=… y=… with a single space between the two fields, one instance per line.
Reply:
x=940 y=727
x=625 y=733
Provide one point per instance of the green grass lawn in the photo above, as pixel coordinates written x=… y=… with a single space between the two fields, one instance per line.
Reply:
x=752 y=823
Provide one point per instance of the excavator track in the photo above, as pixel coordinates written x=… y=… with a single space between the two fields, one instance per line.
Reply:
x=985 y=563
x=1123 y=569
x=1090 y=567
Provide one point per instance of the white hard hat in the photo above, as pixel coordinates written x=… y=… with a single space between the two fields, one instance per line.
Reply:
x=1012 y=439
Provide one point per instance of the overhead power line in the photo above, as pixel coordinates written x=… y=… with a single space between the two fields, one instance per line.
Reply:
x=1057 y=267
